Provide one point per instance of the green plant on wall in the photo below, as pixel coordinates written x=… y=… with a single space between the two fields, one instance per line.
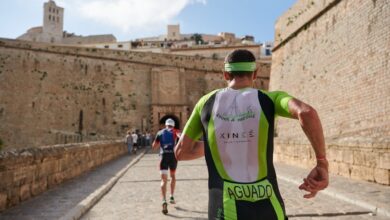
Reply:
x=197 y=38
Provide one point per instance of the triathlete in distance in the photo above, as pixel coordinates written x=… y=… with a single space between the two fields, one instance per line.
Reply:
x=166 y=140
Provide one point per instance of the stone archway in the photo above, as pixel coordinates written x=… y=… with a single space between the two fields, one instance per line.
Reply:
x=174 y=117
x=179 y=113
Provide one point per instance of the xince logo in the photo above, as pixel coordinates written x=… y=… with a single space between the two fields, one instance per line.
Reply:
x=237 y=135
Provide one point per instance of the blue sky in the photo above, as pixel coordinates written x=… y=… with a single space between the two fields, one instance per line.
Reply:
x=130 y=19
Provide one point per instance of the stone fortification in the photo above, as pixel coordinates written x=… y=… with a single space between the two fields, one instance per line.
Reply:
x=58 y=94
x=28 y=172
x=334 y=54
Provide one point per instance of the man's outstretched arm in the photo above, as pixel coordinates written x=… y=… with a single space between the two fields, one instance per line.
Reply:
x=155 y=145
x=318 y=178
x=188 y=149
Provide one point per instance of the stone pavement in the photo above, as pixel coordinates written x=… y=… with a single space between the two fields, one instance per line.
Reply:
x=128 y=188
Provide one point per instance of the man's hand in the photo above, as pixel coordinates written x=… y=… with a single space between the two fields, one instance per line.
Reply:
x=318 y=179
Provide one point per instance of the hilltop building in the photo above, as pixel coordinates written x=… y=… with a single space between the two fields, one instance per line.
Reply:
x=205 y=45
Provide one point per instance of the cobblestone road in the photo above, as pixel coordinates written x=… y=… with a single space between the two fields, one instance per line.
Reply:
x=137 y=196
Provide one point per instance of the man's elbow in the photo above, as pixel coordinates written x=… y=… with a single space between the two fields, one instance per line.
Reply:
x=307 y=112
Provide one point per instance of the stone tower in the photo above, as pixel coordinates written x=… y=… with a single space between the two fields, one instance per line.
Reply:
x=53 y=22
x=173 y=32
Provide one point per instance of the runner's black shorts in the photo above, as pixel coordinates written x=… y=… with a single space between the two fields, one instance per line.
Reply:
x=168 y=161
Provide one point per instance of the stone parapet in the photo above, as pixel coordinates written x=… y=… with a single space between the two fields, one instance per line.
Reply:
x=299 y=17
x=346 y=159
x=145 y=58
x=25 y=173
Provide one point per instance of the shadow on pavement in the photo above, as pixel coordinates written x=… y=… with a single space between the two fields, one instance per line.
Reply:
x=328 y=214
x=186 y=210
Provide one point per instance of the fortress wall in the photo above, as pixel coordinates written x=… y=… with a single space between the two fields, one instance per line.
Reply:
x=52 y=94
x=29 y=172
x=335 y=56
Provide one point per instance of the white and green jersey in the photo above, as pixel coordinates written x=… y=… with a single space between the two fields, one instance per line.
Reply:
x=237 y=127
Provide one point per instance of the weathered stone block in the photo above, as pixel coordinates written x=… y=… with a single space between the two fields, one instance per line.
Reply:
x=359 y=158
x=333 y=167
x=347 y=156
x=335 y=155
x=24 y=175
x=47 y=168
x=382 y=176
x=344 y=169
x=6 y=178
x=362 y=172
x=38 y=186
x=3 y=201
x=25 y=192
x=55 y=179
x=384 y=161
x=13 y=196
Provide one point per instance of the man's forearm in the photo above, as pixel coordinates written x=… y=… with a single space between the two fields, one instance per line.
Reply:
x=196 y=152
x=188 y=149
x=311 y=125
x=155 y=145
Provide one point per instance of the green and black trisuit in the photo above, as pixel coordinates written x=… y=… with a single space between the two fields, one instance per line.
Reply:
x=237 y=127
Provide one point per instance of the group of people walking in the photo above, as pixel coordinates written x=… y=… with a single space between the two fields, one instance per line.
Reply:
x=135 y=140
x=233 y=129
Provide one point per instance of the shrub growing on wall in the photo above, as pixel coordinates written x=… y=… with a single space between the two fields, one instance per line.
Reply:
x=1 y=144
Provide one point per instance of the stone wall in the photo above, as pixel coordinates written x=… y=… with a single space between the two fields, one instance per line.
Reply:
x=28 y=172
x=93 y=39
x=215 y=51
x=334 y=55
x=58 y=94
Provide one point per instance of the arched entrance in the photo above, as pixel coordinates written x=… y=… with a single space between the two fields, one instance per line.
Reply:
x=163 y=119
x=160 y=113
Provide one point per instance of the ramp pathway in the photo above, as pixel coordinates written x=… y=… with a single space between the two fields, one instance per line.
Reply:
x=129 y=188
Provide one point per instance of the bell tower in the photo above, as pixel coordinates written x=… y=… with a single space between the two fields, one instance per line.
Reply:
x=53 y=22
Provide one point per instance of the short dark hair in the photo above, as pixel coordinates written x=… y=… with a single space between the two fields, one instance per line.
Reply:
x=240 y=55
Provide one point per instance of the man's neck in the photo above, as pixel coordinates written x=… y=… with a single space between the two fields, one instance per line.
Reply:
x=236 y=84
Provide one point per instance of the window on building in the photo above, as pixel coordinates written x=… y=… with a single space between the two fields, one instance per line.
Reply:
x=58 y=19
x=120 y=45
x=267 y=52
x=106 y=46
x=49 y=17
x=49 y=9
x=173 y=33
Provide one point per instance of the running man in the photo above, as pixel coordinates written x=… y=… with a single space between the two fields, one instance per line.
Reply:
x=237 y=125
x=166 y=140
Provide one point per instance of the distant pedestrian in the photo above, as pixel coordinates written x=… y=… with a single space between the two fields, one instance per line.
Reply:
x=139 y=139
x=129 y=142
x=148 y=138
x=135 y=142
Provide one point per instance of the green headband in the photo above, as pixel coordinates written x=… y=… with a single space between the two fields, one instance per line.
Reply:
x=241 y=66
